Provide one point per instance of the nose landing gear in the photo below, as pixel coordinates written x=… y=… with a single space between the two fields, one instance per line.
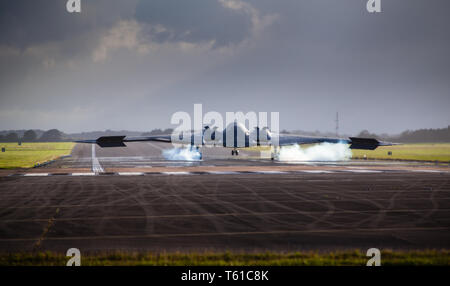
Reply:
x=234 y=152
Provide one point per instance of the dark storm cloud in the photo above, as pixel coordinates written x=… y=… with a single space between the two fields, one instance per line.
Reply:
x=24 y=22
x=384 y=72
x=195 y=21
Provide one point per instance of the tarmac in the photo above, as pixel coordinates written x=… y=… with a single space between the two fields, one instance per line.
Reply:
x=132 y=199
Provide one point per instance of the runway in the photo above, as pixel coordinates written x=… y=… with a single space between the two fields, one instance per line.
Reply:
x=147 y=158
x=142 y=202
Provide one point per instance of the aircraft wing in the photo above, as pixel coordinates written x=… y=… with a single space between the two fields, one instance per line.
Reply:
x=355 y=142
x=284 y=140
x=119 y=141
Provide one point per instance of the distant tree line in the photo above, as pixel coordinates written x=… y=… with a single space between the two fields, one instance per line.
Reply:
x=52 y=135
x=158 y=131
x=416 y=136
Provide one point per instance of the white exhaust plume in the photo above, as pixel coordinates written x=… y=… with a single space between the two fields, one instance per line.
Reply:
x=320 y=152
x=182 y=154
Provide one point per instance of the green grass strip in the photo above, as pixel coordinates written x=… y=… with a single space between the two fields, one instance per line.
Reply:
x=338 y=258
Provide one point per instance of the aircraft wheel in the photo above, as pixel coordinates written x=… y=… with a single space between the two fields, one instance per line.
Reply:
x=237 y=152
x=232 y=152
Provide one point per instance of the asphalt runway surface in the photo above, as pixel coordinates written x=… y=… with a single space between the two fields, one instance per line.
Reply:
x=135 y=200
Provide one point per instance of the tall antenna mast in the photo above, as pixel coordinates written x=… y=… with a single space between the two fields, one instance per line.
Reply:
x=337 y=124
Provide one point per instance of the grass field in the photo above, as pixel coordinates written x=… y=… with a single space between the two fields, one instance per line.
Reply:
x=411 y=152
x=414 y=152
x=29 y=154
x=343 y=258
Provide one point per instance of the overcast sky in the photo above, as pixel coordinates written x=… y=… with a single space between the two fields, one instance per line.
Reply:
x=132 y=64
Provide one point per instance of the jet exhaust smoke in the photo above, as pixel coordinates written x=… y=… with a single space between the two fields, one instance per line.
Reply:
x=321 y=152
x=182 y=154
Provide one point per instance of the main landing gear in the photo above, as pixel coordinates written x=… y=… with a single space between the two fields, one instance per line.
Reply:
x=275 y=153
x=234 y=152
x=197 y=148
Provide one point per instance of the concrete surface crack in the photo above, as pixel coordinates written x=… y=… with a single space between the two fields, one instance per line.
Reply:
x=50 y=223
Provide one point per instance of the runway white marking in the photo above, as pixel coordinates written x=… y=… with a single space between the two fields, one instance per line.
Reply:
x=364 y=171
x=222 y=172
x=130 y=174
x=353 y=167
x=177 y=173
x=96 y=167
x=269 y=172
x=36 y=174
x=429 y=171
